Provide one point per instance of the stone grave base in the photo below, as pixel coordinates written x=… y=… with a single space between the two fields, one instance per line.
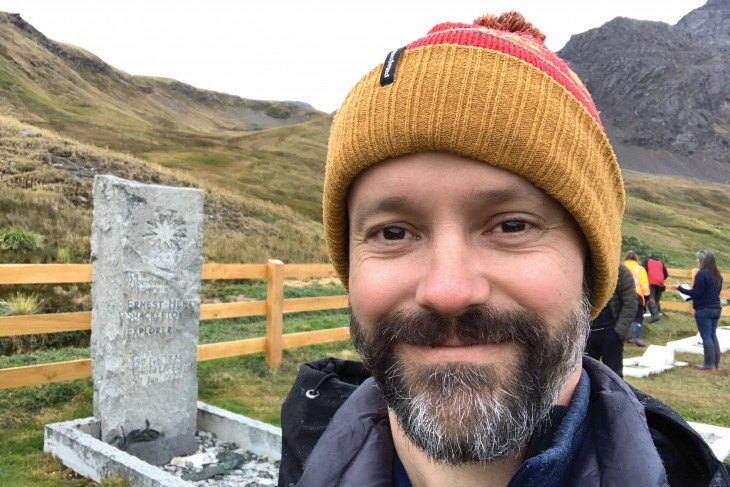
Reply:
x=694 y=344
x=656 y=359
x=77 y=445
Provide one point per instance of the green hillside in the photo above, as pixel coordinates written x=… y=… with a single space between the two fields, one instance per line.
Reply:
x=677 y=217
x=47 y=189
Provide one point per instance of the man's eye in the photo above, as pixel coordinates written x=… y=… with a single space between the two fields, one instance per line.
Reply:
x=393 y=233
x=511 y=226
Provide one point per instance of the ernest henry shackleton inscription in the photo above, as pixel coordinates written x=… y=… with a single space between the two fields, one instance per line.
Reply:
x=146 y=250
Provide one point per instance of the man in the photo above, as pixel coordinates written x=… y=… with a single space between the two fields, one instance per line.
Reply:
x=472 y=207
x=656 y=271
x=631 y=261
x=612 y=327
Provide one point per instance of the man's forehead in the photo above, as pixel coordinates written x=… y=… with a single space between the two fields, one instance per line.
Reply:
x=400 y=182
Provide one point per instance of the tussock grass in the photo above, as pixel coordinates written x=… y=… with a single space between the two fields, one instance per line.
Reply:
x=23 y=304
x=19 y=239
x=64 y=255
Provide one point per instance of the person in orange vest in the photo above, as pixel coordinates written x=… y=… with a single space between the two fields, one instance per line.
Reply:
x=631 y=261
x=657 y=272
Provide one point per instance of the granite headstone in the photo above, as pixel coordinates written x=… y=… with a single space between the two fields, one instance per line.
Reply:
x=146 y=251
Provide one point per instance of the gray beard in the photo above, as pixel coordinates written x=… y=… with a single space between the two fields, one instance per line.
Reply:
x=461 y=413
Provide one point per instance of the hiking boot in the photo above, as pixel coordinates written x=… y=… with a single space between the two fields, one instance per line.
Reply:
x=654 y=319
x=637 y=342
x=706 y=368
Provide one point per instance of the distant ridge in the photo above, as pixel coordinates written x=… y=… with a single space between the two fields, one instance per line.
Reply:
x=76 y=78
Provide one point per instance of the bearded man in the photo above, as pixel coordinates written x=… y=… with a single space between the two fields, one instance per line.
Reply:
x=472 y=208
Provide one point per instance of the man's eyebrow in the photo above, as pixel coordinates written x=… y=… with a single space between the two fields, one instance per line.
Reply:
x=507 y=194
x=372 y=207
x=405 y=205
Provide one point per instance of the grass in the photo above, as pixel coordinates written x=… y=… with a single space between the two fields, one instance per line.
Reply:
x=676 y=217
x=47 y=190
x=23 y=304
x=64 y=255
x=674 y=221
x=20 y=239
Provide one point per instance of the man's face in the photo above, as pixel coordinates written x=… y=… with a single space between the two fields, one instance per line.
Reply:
x=467 y=302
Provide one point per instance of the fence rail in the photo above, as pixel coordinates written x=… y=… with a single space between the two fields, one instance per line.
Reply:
x=273 y=308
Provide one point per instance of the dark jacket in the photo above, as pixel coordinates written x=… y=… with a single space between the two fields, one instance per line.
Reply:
x=611 y=435
x=705 y=293
x=623 y=303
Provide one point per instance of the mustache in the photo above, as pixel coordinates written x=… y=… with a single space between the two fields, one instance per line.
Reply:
x=483 y=325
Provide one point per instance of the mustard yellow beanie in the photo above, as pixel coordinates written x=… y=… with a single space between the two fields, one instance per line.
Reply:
x=491 y=91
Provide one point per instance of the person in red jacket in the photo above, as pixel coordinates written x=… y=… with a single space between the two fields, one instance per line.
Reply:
x=657 y=273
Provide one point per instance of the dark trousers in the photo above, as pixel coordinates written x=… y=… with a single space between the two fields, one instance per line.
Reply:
x=639 y=320
x=655 y=297
x=607 y=346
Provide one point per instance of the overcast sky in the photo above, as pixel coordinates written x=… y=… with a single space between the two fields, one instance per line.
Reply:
x=304 y=50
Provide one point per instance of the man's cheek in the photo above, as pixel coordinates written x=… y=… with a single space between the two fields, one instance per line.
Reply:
x=374 y=291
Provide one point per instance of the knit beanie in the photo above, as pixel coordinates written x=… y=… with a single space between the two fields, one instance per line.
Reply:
x=490 y=91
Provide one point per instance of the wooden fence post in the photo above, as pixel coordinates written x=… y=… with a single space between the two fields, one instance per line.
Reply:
x=274 y=313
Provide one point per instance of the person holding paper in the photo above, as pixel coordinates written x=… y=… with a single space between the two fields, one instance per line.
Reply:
x=705 y=294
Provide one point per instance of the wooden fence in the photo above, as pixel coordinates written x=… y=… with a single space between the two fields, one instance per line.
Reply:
x=274 y=308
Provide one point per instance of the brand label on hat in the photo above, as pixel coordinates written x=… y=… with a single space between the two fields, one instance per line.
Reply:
x=387 y=75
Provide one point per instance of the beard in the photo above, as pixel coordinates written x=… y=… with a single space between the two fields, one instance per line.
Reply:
x=460 y=412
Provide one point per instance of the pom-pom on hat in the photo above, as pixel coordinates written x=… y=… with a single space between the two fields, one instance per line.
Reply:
x=491 y=91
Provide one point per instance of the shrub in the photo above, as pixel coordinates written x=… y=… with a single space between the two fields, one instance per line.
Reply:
x=642 y=250
x=20 y=239
x=23 y=304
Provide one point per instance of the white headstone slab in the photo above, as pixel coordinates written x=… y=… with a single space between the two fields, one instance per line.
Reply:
x=146 y=251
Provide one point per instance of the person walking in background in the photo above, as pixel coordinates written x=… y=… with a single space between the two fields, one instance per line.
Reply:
x=705 y=294
x=612 y=327
x=657 y=273
x=641 y=281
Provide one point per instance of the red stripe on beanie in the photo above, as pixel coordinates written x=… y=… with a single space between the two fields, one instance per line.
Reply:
x=526 y=45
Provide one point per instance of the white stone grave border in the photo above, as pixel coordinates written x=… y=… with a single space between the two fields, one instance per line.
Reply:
x=76 y=443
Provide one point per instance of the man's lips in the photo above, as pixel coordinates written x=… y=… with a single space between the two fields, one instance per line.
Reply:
x=453 y=350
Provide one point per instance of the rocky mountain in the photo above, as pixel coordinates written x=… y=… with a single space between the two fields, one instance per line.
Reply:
x=663 y=90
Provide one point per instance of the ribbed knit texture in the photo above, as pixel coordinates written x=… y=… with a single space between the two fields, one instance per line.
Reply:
x=521 y=110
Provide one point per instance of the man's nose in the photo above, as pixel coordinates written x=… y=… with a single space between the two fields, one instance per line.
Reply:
x=452 y=281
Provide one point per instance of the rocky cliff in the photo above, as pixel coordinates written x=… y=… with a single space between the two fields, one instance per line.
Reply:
x=663 y=90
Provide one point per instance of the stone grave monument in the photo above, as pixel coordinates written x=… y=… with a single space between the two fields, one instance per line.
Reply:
x=146 y=251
